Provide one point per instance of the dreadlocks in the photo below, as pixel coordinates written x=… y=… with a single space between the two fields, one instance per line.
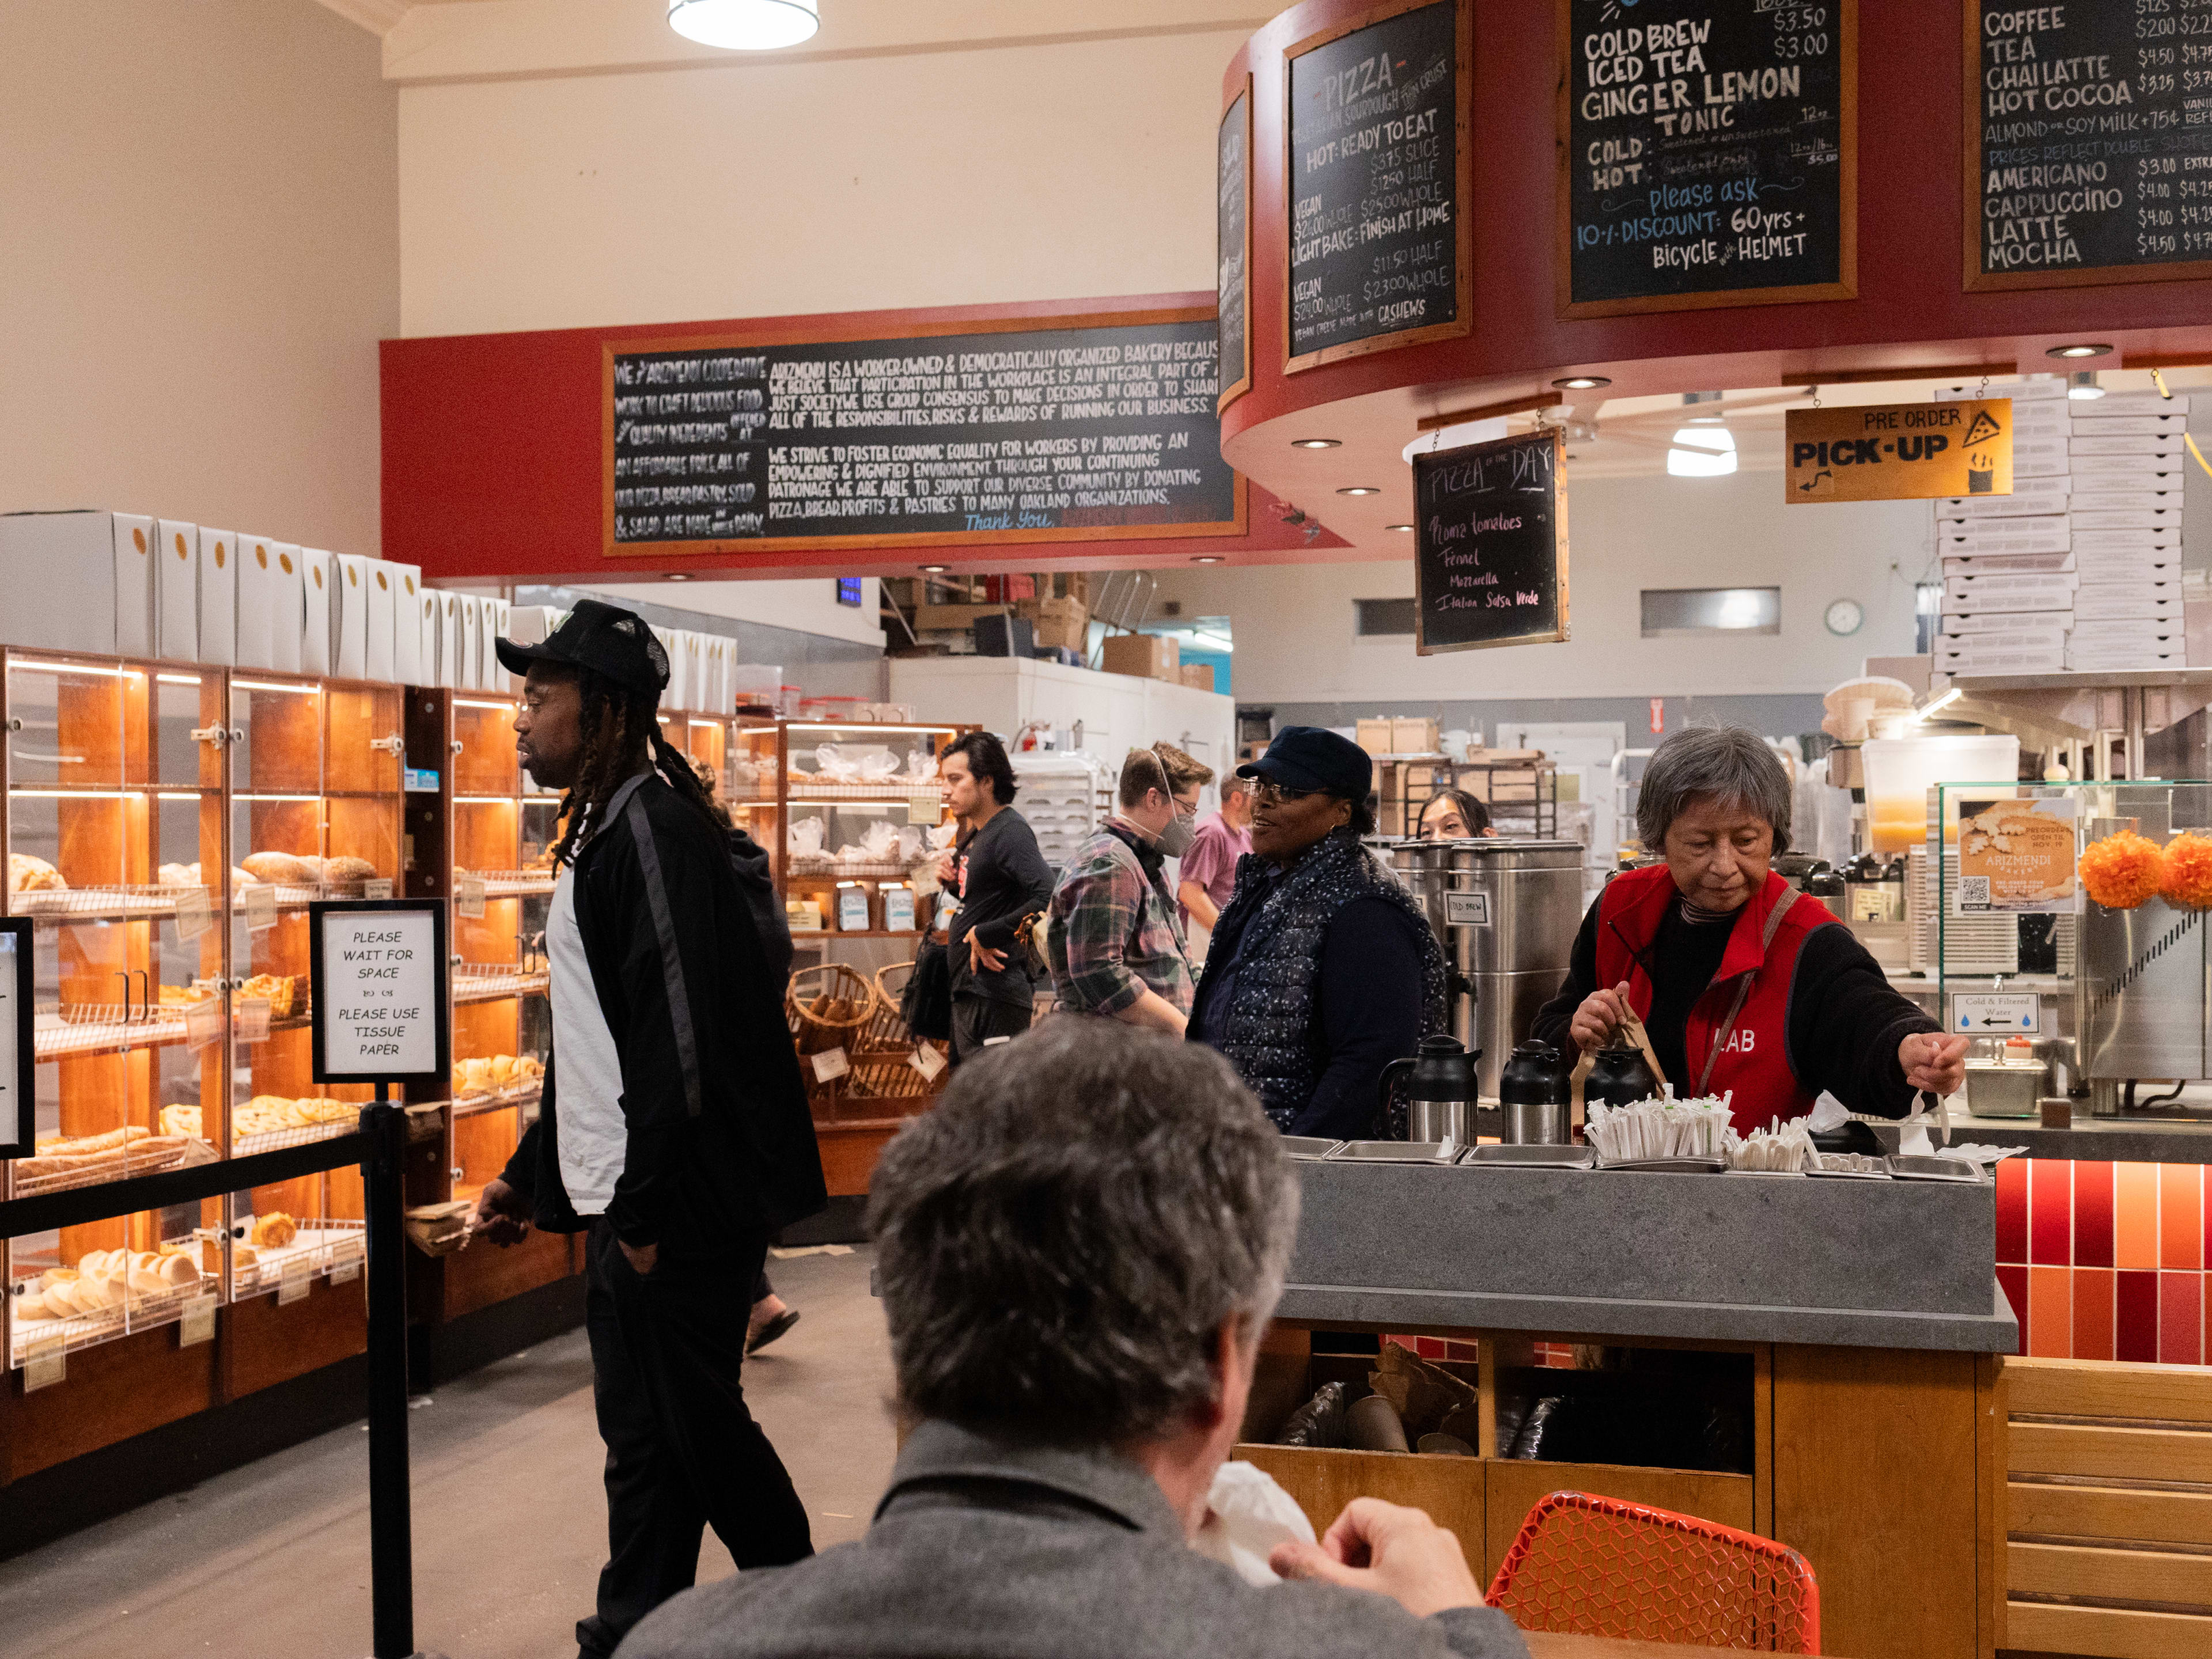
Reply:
x=621 y=739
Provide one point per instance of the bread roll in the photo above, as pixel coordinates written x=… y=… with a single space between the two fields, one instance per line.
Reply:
x=279 y=868
x=178 y=1272
x=148 y=1281
x=243 y=1254
x=34 y=1307
x=275 y=1231
x=54 y=1276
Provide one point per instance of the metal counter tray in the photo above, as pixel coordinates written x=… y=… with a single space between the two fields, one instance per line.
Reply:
x=1310 y=1146
x=1530 y=1157
x=1392 y=1151
x=1669 y=1165
x=1906 y=1167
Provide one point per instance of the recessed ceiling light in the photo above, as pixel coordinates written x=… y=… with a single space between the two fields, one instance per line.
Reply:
x=676 y=576
x=1582 y=382
x=2079 y=351
x=1316 y=443
x=1398 y=526
x=935 y=569
x=1360 y=489
x=744 y=25
x=1207 y=558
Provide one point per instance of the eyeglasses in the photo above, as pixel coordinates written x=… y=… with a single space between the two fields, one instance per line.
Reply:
x=1268 y=794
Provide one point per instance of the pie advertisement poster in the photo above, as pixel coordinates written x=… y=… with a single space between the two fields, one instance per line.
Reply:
x=2017 y=856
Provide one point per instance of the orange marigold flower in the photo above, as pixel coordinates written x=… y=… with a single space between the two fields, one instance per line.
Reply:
x=2121 y=871
x=2188 y=878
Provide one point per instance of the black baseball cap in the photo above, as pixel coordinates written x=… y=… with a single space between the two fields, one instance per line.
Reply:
x=604 y=638
x=1309 y=758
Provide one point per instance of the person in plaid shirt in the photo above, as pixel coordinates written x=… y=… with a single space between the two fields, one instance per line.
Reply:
x=1114 y=946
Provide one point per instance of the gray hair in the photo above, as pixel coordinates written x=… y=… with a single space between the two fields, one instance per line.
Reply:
x=1058 y=1242
x=1725 y=763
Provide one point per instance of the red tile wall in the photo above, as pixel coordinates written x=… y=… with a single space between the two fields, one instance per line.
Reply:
x=2106 y=1261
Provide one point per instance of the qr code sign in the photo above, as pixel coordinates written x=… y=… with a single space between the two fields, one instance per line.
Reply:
x=1973 y=892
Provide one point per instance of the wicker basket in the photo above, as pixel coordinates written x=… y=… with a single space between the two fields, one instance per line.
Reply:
x=883 y=1055
x=828 y=1007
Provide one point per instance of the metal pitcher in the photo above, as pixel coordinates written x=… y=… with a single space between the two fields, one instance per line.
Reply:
x=1439 y=1094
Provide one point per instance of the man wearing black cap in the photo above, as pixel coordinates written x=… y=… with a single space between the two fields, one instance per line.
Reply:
x=1322 y=970
x=673 y=1126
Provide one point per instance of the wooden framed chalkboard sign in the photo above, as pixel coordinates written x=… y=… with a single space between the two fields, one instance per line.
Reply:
x=1707 y=154
x=1232 y=244
x=1091 y=428
x=1490 y=558
x=2088 y=143
x=1381 y=249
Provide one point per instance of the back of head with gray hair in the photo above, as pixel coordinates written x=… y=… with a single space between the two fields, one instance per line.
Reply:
x=1726 y=763
x=1060 y=1240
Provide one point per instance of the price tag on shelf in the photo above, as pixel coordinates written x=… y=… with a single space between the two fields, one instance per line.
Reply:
x=379 y=889
x=469 y=897
x=203 y=1022
x=196 y=1324
x=259 y=903
x=44 y=1363
x=195 y=915
x=253 y=1019
x=925 y=808
x=346 y=1271
x=926 y=1061
x=830 y=1065
x=925 y=879
x=292 y=1283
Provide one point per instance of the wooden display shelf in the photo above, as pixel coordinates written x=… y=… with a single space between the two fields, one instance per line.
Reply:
x=799 y=933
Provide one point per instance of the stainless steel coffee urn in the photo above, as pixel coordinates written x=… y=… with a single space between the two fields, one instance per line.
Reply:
x=1505 y=912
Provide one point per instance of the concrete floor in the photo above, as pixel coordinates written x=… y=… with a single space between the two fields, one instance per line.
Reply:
x=271 y=1561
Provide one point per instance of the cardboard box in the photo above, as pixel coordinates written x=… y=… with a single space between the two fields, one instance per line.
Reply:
x=2037 y=635
x=2029 y=496
x=177 y=592
x=1198 y=676
x=429 y=605
x=350 y=617
x=288 y=615
x=677 y=693
x=2049 y=534
x=2124 y=500
x=1147 y=656
x=318 y=569
x=2134 y=403
x=2094 y=422
x=955 y=619
x=2133 y=519
x=451 y=658
x=2169 y=449
x=257 y=597
x=2089 y=469
x=1374 y=735
x=380 y=583
x=407 y=625
x=469 y=666
x=2007 y=564
x=1063 y=624
x=73 y=581
x=216 y=572
x=1997 y=622
x=1412 y=736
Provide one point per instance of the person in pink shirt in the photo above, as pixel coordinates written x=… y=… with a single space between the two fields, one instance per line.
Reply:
x=1208 y=871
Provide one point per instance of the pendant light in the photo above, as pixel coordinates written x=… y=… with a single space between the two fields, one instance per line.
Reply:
x=745 y=25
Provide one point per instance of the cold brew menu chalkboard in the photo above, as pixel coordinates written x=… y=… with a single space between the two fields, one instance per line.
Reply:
x=1232 y=234
x=1490 y=563
x=1035 y=436
x=1379 y=245
x=2089 y=142
x=1708 y=153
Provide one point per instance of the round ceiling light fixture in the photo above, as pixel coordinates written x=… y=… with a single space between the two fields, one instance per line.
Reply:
x=935 y=569
x=676 y=576
x=1360 y=489
x=1407 y=527
x=1316 y=443
x=745 y=25
x=1207 y=558
x=1582 y=382
x=2081 y=350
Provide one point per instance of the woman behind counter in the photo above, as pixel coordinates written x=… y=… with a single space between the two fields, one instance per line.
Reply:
x=1740 y=983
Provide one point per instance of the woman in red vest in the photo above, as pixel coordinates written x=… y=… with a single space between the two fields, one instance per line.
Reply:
x=1741 y=983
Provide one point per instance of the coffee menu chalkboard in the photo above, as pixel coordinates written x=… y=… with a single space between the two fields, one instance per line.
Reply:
x=1707 y=154
x=1029 y=434
x=2088 y=142
x=1490 y=561
x=1381 y=252
x=1232 y=242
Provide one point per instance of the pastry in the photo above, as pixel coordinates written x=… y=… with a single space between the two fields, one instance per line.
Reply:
x=282 y=867
x=181 y=996
x=26 y=874
x=243 y=1254
x=181 y=1121
x=274 y=1230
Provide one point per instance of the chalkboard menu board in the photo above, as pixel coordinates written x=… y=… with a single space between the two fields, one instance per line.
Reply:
x=1232 y=243
x=2088 y=142
x=1046 y=434
x=1380 y=253
x=1707 y=154
x=1490 y=560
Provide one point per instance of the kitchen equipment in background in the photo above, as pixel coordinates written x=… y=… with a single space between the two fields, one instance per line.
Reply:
x=1619 y=1076
x=2006 y=1088
x=1900 y=771
x=1535 y=1090
x=1439 y=1090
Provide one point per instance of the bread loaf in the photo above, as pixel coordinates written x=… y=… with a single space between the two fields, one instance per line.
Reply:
x=279 y=868
x=275 y=1231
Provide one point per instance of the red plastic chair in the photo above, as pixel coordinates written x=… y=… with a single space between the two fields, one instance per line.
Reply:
x=1597 y=1566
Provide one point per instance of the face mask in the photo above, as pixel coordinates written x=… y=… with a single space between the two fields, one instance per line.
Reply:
x=1175 y=841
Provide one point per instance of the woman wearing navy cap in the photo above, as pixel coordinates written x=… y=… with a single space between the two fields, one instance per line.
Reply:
x=1321 y=971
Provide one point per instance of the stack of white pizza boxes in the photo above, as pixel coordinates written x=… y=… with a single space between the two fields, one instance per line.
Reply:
x=2011 y=575
x=2127 y=456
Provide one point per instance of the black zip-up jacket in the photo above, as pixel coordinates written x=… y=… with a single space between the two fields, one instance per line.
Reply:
x=999 y=877
x=719 y=1139
x=757 y=883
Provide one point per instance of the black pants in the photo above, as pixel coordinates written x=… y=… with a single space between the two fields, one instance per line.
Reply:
x=683 y=1452
x=976 y=1018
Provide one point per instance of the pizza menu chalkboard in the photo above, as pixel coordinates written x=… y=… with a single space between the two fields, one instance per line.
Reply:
x=1232 y=232
x=1378 y=247
x=2090 y=141
x=1490 y=561
x=1028 y=435
x=1707 y=153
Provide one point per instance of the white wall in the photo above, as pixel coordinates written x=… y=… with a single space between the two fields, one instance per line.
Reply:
x=809 y=605
x=754 y=186
x=1293 y=623
x=198 y=253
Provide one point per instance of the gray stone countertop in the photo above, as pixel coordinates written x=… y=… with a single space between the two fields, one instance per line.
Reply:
x=2096 y=1140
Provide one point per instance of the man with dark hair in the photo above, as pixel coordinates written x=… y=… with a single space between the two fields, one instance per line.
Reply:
x=673 y=1126
x=1322 y=971
x=1079 y=1250
x=1000 y=877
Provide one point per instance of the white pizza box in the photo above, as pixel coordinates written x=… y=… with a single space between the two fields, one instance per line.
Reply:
x=2039 y=457
x=2125 y=499
x=2048 y=388
x=2094 y=422
x=2169 y=449
x=468 y=665
x=258 y=579
x=2029 y=497
x=2134 y=632
x=318 y=571
x=450 y=654
x=2099 y=661
x=2006 y=564
x=176 y=554
x=429 y=605
x=406 y=624
x=2136 y=471
x=74 y=580
x=2115 y=403
x=2121 y=606
x=350 y=617
x=2165 y=539
x=2030 y=632
x=693 y=668
x=379 y=584
x=2143 y=518
x=288 y=611
x=216 y=623
x=2043 y=590
x=2002 y=662
x=718 y=649
x=2114 y=569
x=496 y=678
x=2051 y=534
x=1964 y=624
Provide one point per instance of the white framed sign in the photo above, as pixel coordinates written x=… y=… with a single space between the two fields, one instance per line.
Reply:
x=378 y=988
